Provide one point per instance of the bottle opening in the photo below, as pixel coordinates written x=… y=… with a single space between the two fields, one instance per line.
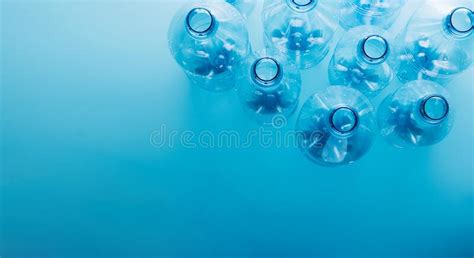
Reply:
x=200 y=21
x=461 y=20
x=266 y=71
x=375 y=48
x=344 y=120
x=302 y=5
x=435 y=108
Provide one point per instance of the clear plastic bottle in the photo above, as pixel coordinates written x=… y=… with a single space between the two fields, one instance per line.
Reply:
x=438 y=42
x=245 y=7
x=209 y=39
x=269 y=86
x=336 y=126
x=381 y=13
x=417 y=114
x=362 y=60
x=301 y=29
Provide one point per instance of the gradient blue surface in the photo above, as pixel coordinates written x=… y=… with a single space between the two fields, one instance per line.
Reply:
x=85 y=83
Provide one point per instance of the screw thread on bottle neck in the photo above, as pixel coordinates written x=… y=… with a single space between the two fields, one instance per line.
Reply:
x=434 y=109
x=266 y=72
x=200 y=22
x=460 y=22
x=374 y=49
x=302 y=5
x=344 y=120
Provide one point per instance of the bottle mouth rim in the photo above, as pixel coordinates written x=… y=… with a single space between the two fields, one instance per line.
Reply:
x=374 y=48
x=428 y=115
x=200 y=21
x=266 y=80
x=459 y=20
x=302 y=5
x=347 y=111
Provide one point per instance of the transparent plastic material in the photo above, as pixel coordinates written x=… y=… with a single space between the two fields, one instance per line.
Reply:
x=336 y=126
x=381 y=13
x=269 y=86
x=363 y=60
x=301 y=29
x=417 y=114
x=245 y=7
x=438 y=42
x=208 y=40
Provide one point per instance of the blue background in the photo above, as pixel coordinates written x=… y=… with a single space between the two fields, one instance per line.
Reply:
x=85 y=83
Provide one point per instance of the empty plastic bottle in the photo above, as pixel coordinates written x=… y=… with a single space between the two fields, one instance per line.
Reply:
x=362 y=60
x=336 y=126
x=269 y=86
x=245 y=7
x=301 y=29
x=381 y=13
x=417 y=114
x=208 y=40
x=438 y=42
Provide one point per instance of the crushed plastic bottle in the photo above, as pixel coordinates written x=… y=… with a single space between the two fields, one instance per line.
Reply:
x=301 y=29
x=363 y=60
x=381 y=13
x=336 y=126
x=269 y=86
x=208 y=40
x=438 y=42
x=417 y=114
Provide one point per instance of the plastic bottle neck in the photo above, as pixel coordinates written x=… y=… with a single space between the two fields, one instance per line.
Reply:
x=200 y=22
x=344 y=120
x=434 y=109
x=302 y=6
x=460 y=22
x=374 y=49
x=267 y=73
